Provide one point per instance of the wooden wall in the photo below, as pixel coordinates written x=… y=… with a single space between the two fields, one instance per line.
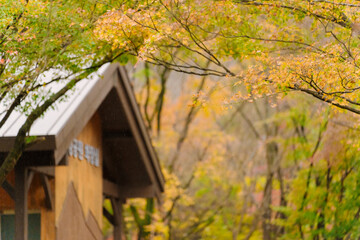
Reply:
x=77 y=189
x=85 y=178
x=36 y=203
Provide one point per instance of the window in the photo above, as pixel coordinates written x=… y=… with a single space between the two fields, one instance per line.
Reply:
x=7 y=226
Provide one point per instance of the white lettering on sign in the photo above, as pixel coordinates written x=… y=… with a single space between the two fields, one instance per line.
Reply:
x=92 y=155
x=76 y=150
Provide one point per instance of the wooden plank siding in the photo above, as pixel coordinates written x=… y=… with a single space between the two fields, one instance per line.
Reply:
x=86 y=178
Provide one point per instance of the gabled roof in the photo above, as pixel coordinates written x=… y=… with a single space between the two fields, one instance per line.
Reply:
x=129 y=158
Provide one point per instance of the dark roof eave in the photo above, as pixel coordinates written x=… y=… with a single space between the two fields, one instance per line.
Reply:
x=42 y=143
x=145 y=138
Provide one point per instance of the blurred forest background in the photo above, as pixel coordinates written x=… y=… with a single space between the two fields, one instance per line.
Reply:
x=267 y=168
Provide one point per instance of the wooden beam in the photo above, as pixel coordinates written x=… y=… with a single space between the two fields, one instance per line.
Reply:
x=47 y=190
x=137 y=192
x=9 y=189
x=110 y=189
x=108 y=216
x=48 y=171
x=30 y=177
x=21 y=215
x=117 y=208
x=47 y=143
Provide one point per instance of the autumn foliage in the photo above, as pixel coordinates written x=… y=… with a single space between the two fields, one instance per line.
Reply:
x=252 y=105
x=248 y=156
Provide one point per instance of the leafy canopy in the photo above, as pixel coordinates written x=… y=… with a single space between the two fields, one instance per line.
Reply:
x=41 y=43
x=309 y=46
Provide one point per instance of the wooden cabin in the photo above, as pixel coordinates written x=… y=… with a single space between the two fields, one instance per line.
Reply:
x=92 y=146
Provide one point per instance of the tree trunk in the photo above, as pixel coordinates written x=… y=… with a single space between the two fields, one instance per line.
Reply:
x=271 y=154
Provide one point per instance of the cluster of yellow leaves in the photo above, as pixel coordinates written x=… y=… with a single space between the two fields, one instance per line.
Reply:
x=173 y=190
x=328 y=74
x=203 y=30
x=144 y=29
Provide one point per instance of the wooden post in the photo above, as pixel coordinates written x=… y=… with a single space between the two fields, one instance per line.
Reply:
x=117 y=209
x=9 y=189
x=21 y=215
x=48 y=197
